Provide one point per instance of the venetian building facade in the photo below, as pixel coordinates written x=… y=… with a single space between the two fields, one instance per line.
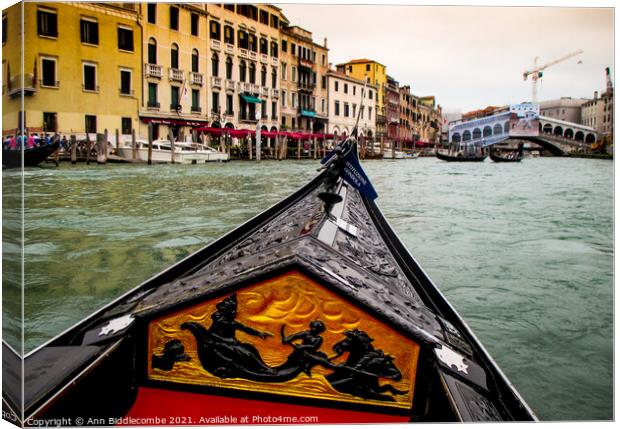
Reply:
x=304 y=81
x=393 y=109
x=82 y=68
x=344 y=101
x=244 y=65
x=429 y=119
x=175 y=68
x=407 y=112
x=376 y=73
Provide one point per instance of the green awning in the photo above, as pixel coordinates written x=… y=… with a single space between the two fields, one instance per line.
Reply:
x=251 y=99
x=308 y=113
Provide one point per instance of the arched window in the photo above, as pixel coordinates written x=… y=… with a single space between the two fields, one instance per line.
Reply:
x=497 y=129
x=252 y=73
x=242 y=71
x=174 y=56
x=568 y=133
x=477 y=133
x=579 y=136
x=466 y=135
x=506 y=127
x=263 y=76
x=195 y=57
x=274 y=77
x=264 y=46
x=152 y=51
x=215 y=64
x=229 y=68
x=548 y=129
x=487 y=131
x=456 y=138
x=590 y=138
x=558 y=131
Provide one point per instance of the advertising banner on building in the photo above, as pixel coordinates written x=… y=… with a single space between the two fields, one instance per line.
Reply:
x=524 y=121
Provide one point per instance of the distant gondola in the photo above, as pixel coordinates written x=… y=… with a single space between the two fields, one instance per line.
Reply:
x=313 y=307
x=12 y=158
x=460 y=157
x=516 y=156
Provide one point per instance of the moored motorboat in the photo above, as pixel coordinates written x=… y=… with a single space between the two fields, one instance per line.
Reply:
x=313 y=307
x=12 y=158
x=184 y=152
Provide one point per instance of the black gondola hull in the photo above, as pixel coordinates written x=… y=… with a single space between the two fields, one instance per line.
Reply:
x=32 y=157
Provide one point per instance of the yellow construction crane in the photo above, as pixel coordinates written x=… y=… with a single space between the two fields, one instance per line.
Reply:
x=537 y=72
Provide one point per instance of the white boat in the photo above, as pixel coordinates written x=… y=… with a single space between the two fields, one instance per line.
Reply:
x=184 y=152
x=398 y=154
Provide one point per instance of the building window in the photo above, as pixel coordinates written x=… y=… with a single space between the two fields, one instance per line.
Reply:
x=284 y=46
x=293 y=123
x=283 y=77
x=174 y=98
x=293 y=46
x=125 y=39
x=242 y=71
x=322 y=105
x=50 y=123
x=274 y=77
x=229 y=34
x=89 y=31
x=263 y=109
x=323 y=82
x=47 y=23
x=293 y=73
x=90 y=124
x=252 y=42
x=174 y=56
x=229 y=68
x=354 y=89
x=48 y=72
x=125 y=125
x=370 y=95
x=242 y=36
x=337 y=108
x=152 y=13
x=346 y=88
x=152 y=51
x=194 y=24
x=264 y=17
x=229 y=104
x=126 y=82
x=174 y=18
x=323 y=59
x=275 y=21
x=274 y=49
x=274 y=110
x=369 y=112
x=263 y=76
x=90 y=77
x=367 y=67
x=252 y=73
x=336 y=86
x=230 y=7
x=346 y=110
x=214 y=30
x=153 y=95
x=264 y=46
x=195 y=61
x=283 y=98
x=5 y=28
x=215 y=64
x=215 y=102
x=354 y=108
x=195 y=100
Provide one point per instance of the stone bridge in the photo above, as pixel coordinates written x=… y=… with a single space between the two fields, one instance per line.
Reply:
x=559 y=137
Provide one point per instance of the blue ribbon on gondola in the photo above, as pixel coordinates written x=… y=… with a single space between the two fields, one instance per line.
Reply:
x=353 y=173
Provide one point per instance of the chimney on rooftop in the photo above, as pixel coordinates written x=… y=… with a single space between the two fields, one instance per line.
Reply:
x=325 y=42
x=595 y=95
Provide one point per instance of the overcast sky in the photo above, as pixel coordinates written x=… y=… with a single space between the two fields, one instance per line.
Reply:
x=469 y=57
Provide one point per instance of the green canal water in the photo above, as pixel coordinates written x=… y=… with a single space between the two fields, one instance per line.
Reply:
x=523 y=251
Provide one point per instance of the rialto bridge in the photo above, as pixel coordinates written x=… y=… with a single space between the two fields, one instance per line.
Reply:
x=559 y=137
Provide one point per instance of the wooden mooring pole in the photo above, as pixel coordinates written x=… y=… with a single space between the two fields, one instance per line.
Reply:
x=150 y=149
x=134 y=151
x=73 y=149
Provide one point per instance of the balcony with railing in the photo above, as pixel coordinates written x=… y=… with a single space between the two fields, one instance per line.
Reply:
x=306 y=86
x=274 y=61
x=195 y=78
x=230 y=48
x=216 y=44
x=305 y=62
x=230 y=85
x=264 y=92
x=153 y=105
x=253 y=55
x=175 y=74
x=14 y=86
x=153 y=70
x=243 y=53
x=275 y=93
x=264 y=59
x=380 y=119
x=216 y=82
x=245 y=87
x=254 y=89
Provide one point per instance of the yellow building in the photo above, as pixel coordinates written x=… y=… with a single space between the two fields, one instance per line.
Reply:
x=376 y=72
x=175 y=62
x=82 y=68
